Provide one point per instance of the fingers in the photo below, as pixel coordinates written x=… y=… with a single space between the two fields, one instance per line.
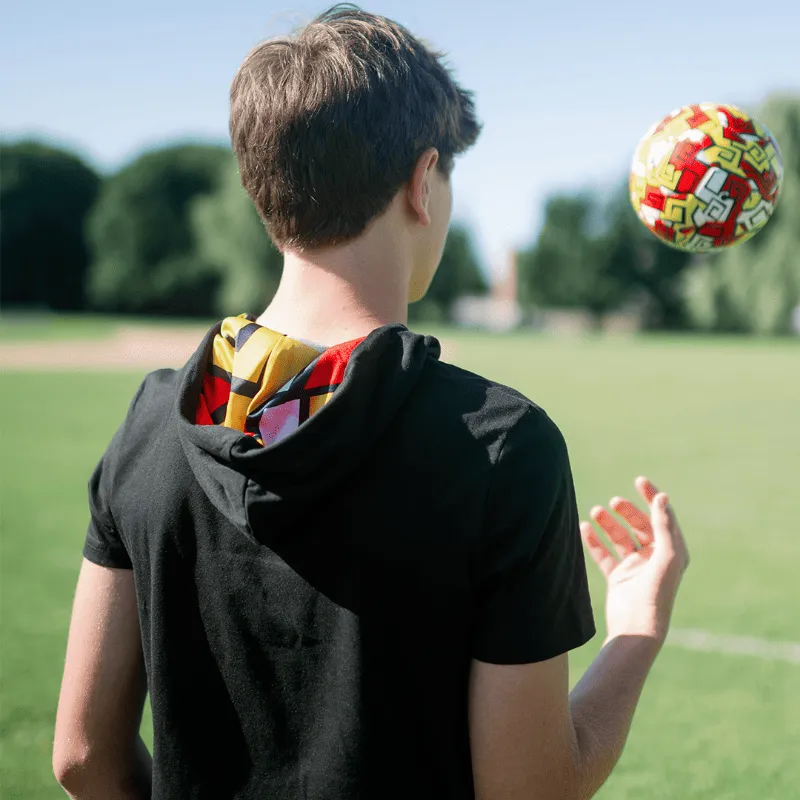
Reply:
x=667 y=534
x=646 y=489
x=635 y=517
x=658 y=533
x=600 y=554
x=617 y=532
x=661 y=528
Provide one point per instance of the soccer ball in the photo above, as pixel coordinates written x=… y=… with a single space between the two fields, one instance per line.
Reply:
x=706 y=176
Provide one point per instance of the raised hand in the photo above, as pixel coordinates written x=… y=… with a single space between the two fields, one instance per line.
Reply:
x=643 y=567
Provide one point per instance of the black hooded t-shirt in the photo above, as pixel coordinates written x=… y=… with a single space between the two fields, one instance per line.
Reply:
x=310 y=607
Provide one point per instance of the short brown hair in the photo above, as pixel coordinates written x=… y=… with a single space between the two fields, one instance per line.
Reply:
x=328 y=124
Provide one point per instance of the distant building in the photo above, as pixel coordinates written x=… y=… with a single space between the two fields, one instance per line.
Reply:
x=564 y=321
x=795 y=321
x=626 y=320
x=498 y=311
x=501 y=311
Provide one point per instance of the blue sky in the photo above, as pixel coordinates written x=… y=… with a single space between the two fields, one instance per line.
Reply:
x=564 y=89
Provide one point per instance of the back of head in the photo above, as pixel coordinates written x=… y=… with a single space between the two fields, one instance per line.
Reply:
x=327 y=124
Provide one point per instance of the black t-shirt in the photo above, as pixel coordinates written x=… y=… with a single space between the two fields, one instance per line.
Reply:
x=309 y=609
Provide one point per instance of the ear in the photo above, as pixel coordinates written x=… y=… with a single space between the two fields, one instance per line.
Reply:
x=421 y=184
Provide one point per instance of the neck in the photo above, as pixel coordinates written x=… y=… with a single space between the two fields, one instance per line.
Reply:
x=332 y=295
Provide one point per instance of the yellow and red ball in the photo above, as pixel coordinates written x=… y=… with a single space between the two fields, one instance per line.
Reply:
x=706 y=176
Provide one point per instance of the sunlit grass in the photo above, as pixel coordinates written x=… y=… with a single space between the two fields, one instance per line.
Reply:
x=714 y=422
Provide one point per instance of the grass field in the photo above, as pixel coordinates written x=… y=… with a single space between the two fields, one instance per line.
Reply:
x=15 y=327
x=715 y=422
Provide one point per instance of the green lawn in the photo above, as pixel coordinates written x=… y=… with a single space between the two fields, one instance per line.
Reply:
x=27 y=326
x=715 y=422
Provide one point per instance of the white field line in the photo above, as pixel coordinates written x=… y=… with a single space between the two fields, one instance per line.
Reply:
x=708 y=642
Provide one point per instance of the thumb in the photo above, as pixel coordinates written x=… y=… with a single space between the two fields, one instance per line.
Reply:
x=660 y=521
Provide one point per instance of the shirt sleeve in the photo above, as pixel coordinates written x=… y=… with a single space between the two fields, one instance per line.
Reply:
x=532 y=599
x=104 y=544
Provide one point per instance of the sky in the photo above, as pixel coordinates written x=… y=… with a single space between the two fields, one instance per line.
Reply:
x=564 y=89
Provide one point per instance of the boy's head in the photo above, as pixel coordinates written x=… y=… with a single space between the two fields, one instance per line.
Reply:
x=330 y=124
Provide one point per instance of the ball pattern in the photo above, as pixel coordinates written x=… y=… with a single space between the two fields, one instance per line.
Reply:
x=706 y=176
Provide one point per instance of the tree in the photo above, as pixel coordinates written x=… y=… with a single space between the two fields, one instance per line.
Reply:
x=459 y=274
x=143 y=239
x=592 y=253
x=229 y=234
x=644 y=268
x=45 y=195
x=754 y=286
x=567 y=266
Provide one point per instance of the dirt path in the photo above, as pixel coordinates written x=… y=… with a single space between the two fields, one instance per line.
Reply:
x=129 y=348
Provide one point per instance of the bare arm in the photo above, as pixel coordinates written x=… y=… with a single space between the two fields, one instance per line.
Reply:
x=530 y=739
x=602 y=706
x=98 y=752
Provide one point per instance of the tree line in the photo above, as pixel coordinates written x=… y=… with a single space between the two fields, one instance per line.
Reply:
x=174 y=233
x=171 y=233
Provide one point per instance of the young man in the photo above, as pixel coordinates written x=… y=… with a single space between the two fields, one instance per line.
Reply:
x=341 y=567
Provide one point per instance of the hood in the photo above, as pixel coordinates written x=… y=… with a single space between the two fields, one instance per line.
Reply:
x=271 y=426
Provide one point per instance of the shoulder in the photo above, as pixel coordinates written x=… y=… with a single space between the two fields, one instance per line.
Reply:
x=511 y=411
x=154 y=398
x=158 y=385
x=498 y=416
x=148 y=412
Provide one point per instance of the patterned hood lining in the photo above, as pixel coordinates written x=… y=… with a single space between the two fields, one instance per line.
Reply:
x=265 y=384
